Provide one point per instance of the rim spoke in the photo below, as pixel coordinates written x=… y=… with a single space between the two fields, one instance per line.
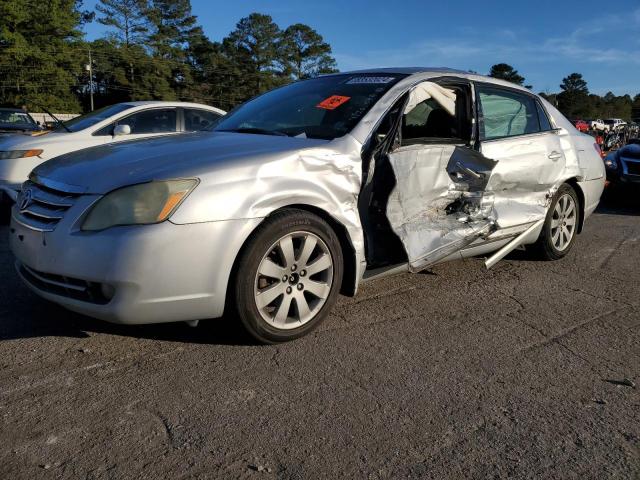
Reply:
x=286 y=247
x=556 y=211
x=571 y=221
x=269 y=269
x=560 y=239
x=320 y=290
x=555 y=222
x=283 y=310
x=554 y=236
x=309 y=246
x=321 y=264
x=267 y=296
x=302 y=306
x=569 y=210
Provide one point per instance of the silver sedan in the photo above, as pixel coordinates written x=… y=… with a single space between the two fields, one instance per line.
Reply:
x=303 y=193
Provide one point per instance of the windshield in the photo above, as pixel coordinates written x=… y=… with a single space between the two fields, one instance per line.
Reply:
x=9 y=117
x=326 y=107
x=90 y=119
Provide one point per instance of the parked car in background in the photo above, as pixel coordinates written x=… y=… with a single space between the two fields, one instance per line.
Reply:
x=302 y=193
x=598 y=125
x=614 y=123
x=19 y=154
x=15 y=120
x=623 y=165
x=581 y=126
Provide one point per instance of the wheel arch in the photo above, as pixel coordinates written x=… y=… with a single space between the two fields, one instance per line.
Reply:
x=349 y=258
x=573 y=182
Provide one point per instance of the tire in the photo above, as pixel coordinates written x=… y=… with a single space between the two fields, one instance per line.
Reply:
x=562 y=221
x=276 y=295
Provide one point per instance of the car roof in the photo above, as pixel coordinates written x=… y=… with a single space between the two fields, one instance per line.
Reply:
x=6 y=109
x=434 y=71
x=406 y=70
x=150 y=103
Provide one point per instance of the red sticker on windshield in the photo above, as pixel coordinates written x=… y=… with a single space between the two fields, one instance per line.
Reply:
x=333 y=102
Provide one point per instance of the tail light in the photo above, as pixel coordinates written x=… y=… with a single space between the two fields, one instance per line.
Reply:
x=599 y=150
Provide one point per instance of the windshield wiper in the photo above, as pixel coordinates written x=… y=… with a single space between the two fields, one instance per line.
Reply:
x=58 y=121
x=259 y=131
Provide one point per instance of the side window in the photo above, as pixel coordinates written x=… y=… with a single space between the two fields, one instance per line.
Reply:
x=506 y=113
x=545 y=125
x=432 y=114
x=151 y=121
x=198 y=119
x=105 y=131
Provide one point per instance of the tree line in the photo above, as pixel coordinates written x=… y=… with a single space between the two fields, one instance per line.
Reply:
x=574 y=99
x=154 y=50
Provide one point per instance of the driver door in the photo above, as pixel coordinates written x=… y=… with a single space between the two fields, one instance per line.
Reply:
x=440 y=203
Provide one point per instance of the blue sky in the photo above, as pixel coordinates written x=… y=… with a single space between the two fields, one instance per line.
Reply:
x=544 y=40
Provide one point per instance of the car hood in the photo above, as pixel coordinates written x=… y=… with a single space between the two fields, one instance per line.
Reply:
x=26 y=140
x=101 y=169
x=19 y=127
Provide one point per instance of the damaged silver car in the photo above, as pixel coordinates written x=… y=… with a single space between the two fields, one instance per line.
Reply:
x=302 y=193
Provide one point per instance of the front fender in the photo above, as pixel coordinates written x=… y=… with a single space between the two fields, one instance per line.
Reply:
x=322 y=178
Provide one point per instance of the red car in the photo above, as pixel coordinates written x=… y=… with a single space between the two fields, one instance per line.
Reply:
x=581 y=125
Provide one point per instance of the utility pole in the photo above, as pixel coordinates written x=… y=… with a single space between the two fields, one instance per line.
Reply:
x=90 y=70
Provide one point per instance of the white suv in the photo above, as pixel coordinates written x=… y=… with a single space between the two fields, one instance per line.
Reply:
x=19 y=154
x=614 y=124
x=598 y=125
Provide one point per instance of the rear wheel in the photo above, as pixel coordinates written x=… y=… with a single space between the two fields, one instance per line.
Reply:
x=288 y=276
x=560 y=227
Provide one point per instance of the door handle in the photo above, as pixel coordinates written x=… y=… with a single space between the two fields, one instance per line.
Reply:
x=555 y=155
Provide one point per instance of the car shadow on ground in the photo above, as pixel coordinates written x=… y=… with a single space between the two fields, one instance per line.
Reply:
x=43 y=319
x=25 y=315
x=620 y=200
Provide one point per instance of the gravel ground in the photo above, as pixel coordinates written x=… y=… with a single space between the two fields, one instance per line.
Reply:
x=459 y=373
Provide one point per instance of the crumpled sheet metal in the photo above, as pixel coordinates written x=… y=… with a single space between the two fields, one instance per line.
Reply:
x=433 y=215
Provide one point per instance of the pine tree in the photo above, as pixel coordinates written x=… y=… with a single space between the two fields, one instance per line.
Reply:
x=41 y=54
x=306 y=52
x=255 y=46
x=506 y=72
x=127 y=17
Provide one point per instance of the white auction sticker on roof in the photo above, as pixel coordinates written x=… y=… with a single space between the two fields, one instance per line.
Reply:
x=358 y=80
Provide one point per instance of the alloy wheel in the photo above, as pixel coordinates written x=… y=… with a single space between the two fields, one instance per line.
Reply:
x=293 y=280
x=563 y=222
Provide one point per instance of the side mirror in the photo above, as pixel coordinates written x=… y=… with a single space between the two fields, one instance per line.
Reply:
x=121 y=130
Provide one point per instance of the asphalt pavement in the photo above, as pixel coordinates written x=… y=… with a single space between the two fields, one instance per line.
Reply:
x=523 y=371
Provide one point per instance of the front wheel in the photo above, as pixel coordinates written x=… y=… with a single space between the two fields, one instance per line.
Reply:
x=288 y=276
x=560 y=227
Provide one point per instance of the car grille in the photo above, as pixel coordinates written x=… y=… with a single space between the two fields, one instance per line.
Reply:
x=633 y=168
x=64 y=286
x=41 y=208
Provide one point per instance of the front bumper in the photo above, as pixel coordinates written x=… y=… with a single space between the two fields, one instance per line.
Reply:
x=14 y=172
x=132 y=274
x=626 y=171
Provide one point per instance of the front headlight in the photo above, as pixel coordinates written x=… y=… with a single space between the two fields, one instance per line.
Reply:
x=11 y=154
x=139 y=204
x=610 y=162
